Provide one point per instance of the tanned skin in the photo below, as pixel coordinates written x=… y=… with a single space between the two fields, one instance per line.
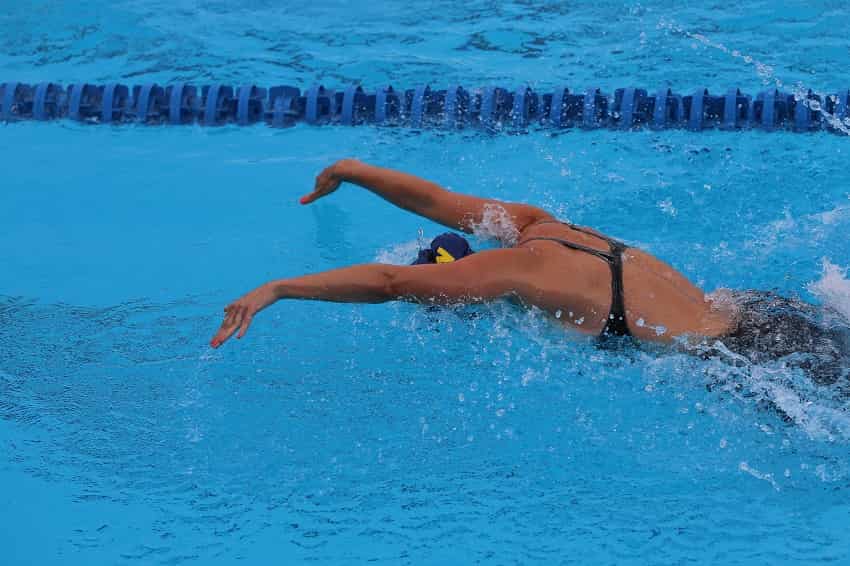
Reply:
x=573 y=286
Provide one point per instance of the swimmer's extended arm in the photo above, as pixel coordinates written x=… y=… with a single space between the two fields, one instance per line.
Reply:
x=480 y=277
x=455 y=210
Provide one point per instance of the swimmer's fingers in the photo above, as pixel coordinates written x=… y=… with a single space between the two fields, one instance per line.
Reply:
x=326 y=183
x=231 y=322
x=240 y=313
x=307 y=199
x=246 y=322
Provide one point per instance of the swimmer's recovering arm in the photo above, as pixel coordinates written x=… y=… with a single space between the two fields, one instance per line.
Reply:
x=484 y=276
x=455 y=210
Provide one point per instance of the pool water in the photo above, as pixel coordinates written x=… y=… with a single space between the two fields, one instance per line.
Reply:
x=339 y=434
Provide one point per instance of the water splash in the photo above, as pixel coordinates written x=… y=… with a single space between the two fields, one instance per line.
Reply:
x=497 y=224
x=819 y=411
x=766 y=73
x=833 y=288
x=745 y=467
x=799 y=232
x=399 y=254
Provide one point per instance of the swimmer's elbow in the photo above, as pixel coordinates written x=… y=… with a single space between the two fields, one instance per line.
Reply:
x=420 y=284
x=525 y=215
x=399 y=286
x=390 y=287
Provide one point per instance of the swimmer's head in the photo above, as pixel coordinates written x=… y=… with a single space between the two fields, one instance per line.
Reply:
x=445 y=248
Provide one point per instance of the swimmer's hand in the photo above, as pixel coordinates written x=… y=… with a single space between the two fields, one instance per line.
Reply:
x=327 y=182
x=240 y=313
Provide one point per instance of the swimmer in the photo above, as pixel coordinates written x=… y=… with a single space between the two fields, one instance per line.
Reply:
x=587 y=281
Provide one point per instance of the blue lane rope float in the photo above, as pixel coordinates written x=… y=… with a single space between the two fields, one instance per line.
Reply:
x=524 y=103
x=493 y=108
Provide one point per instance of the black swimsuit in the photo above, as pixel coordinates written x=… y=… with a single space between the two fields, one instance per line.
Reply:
x=616 y=324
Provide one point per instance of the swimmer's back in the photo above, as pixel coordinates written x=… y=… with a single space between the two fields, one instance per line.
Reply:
x=660 y=303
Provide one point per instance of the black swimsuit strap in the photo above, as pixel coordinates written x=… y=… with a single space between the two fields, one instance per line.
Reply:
x=583 y=230
x=572 y=245
x=616 y=324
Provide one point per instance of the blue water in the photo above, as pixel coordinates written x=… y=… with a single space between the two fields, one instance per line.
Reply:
x=337 y=434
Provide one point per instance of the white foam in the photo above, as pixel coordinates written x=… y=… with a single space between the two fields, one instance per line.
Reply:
x=833 y=288
x=815 y=409
x=399 y=254
x=497 y=224
x=837 y=215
